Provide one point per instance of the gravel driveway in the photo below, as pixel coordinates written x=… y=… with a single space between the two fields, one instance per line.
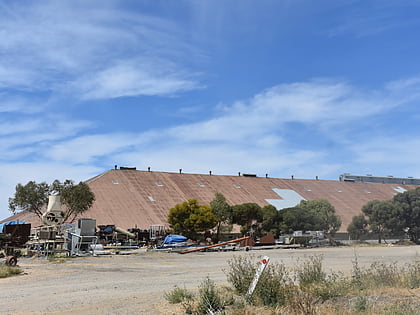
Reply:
x=135 y=284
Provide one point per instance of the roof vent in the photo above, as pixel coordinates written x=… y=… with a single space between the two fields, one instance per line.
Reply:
x=125 y=168
x=249 y=175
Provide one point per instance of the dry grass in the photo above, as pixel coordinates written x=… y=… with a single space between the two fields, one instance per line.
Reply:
x=381 y=288
x=7 y=271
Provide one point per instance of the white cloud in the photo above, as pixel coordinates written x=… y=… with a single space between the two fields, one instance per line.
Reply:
x=256 y=125
x=32 y=135
x=50 y=46
x=247 y=136
x=85 y=149
x=132 y=78
x=389 y=150
x=19 y=104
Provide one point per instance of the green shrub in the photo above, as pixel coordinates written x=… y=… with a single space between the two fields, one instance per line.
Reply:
x=361 y=303
x=380 y=274
x=356 y=274
x=412 y=275
x=273 y=286
x=300 y=302
x=383 y=275
x=310 y=288
x=7 y=271
x=334 y=285
x=241 y=272
x=310 y=271
x=178 y=295
x=209 y=298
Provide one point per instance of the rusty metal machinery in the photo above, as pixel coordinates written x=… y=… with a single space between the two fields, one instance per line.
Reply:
x=13 y=236
x=54 y=215
x=50 y=237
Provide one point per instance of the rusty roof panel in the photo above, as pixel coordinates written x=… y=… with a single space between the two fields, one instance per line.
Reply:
x=132 y=198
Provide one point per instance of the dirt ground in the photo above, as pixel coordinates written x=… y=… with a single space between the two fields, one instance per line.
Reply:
x=135 y=284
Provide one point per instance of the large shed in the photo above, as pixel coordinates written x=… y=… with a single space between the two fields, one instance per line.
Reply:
x=132 y=198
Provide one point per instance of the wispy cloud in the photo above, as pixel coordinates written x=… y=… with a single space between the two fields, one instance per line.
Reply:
x=136 y=77
x=374 y=18
x=101 y=51
x=251 y=133
x=19 y=104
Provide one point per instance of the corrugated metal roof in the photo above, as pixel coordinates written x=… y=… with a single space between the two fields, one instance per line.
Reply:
x=132 y=198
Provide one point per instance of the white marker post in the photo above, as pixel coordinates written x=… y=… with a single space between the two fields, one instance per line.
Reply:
x=260 y=270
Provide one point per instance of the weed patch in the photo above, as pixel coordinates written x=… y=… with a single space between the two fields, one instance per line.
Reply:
x=178 y=295
x=307 y=289
x=7 y=271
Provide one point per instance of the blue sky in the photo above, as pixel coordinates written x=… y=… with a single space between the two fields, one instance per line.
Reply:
x=279 y=87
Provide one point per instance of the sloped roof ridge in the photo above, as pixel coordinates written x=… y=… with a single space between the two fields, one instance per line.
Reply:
x=156 y=172
x=91 y=180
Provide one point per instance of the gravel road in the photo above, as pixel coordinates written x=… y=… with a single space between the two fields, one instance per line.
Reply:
x=135 y=284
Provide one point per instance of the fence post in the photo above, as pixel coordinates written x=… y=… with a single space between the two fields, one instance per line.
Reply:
x=263 y=263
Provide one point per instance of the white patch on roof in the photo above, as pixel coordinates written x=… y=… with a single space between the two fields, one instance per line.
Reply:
x=151 y=198
x=290 y=198
x=400 y=189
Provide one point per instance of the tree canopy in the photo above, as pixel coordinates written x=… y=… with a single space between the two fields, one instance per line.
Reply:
x=271 y=220
x=311 y=215
x=247 y=215
x=409 y=202
x=222 y=211
x=189 y=218
x=383 y=217
x=77 y=198
x=297 y=219
x=358 y=227
x=33 y=197
x=325 y=218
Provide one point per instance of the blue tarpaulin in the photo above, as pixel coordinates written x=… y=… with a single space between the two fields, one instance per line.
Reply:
x=173 y=238
x=10 y=223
